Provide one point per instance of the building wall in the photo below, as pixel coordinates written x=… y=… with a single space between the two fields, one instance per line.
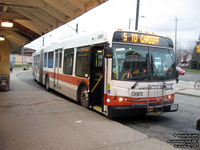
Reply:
x=4 y=57
x=17 y=59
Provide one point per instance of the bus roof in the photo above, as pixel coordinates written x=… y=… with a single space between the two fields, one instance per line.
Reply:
x=110 y=36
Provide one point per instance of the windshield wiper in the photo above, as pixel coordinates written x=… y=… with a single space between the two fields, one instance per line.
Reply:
x=134 y=85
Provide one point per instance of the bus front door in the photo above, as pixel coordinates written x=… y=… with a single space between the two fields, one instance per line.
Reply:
x=96 y=95
x=58 y=57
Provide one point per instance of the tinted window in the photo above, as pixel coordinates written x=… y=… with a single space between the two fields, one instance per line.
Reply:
x=38 y=61
x=58 y=52
x=68 y=61
x=50 y=60
x=82 y=62
x=163 y=65
x=45 y=59
x=129 y=62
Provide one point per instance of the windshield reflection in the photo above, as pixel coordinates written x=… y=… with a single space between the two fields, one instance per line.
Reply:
x=142 y=63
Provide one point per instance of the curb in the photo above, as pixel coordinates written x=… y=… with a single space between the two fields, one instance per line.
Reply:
x=187 y=94
x=18 y=73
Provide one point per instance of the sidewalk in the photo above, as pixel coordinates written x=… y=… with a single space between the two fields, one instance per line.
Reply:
x=33 y=119
x=187 y=88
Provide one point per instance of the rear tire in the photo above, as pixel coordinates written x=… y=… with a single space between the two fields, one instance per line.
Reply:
x=83 y=97
x=197 y=85
x=47 y=84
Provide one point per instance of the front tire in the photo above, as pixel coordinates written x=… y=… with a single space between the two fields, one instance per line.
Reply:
x=83 y=97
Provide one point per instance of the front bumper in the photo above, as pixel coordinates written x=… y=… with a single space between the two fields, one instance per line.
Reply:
x=127 y=111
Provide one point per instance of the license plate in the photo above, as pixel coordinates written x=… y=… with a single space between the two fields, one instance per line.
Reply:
x=174 y=107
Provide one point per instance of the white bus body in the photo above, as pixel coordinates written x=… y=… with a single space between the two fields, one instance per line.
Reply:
x=117 y=74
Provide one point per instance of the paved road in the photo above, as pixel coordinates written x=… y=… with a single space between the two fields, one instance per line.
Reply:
x=163 y=127
x=189 y=77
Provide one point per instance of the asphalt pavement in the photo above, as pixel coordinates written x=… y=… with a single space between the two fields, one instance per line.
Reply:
x=33 y=119
x=187 y=88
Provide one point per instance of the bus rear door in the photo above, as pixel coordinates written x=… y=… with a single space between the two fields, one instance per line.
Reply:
x=41 y=67
x=58 y=58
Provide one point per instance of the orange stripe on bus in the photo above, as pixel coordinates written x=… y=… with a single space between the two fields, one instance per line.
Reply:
x=67 y=78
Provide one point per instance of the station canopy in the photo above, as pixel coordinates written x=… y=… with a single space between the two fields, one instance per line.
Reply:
x=33 y=18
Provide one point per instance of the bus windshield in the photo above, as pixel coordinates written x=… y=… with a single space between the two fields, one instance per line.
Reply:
x=140 y=63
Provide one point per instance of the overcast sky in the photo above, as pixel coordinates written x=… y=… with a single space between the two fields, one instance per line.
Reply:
x=155 y=16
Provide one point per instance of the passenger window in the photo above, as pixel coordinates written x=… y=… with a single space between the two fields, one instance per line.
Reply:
x=99 y=58
x=45 y=59
x=50 y=60
x=82 y=62
x=60 y=60
x=68 y=61
x=60 y=57
x=38 y=61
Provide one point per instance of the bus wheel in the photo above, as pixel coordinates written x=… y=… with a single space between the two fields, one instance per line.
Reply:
x=84 y=97
x=47 y=84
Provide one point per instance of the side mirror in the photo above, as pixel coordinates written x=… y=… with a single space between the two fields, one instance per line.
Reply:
x=108 y=52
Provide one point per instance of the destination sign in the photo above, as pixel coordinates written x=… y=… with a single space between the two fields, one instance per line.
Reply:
x=142 y=38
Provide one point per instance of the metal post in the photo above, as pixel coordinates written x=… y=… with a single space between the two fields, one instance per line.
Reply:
x=129 y=26
x=43 y=41
x=175 y=41
x=137 y=14
x=22 y=49
x=77 y=28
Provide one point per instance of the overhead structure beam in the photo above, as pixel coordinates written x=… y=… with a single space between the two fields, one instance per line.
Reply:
x=5 y=8
x=78 y=4
x=9 y=15
x=15 y=41
x=53 y=12
x=31 y=25
x=36 y=20
x=60 y=7
x=45 y=17
x=18 y=37
x=26 y=32
x=36 y=4
x=33 y=18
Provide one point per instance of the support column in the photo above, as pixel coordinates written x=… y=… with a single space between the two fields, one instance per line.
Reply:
x=4 y=65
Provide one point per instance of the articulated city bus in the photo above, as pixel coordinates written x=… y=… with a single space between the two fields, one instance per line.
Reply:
x=118 y=74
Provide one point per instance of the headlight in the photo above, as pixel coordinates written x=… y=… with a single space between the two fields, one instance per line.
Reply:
x=120 y=99
x=108 y=100
x=170 y=97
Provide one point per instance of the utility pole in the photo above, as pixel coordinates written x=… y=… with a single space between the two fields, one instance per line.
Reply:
x=77 y=28
x=137 y=14
x=175 y=41
x=43 y=41
x=129 y=25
